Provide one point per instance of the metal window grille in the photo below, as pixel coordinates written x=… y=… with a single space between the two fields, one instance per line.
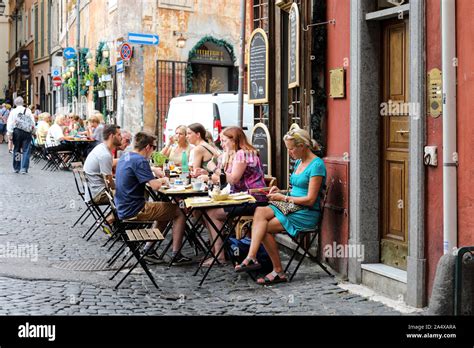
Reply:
x=170 y=82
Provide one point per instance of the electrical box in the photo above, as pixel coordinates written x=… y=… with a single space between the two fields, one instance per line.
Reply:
x=431 y=156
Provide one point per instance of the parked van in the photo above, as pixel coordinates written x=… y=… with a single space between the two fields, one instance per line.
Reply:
x=214 y=111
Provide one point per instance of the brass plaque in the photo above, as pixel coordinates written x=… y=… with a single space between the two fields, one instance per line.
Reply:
x=337 y=83
x=435 y=92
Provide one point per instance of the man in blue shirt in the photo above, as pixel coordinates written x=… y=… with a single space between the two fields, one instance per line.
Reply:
x=132 y=175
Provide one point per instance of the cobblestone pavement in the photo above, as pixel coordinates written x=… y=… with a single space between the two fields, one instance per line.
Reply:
x=38 y=209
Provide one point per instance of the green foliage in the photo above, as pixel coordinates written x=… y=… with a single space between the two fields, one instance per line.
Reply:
x=158 y=158
x=193 y=53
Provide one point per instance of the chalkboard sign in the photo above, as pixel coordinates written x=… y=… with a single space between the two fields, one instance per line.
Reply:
x=294 y=47
x=258 y=67
x=262 y=142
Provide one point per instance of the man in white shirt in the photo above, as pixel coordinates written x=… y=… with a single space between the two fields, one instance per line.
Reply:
x=21 y=138
x=99 y=162
x=55 y=135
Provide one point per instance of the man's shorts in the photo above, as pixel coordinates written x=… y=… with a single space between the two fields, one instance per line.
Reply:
x=157 y=211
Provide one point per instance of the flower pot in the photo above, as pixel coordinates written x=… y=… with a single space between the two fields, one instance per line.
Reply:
x=100 y=79
x=88 y=83
x=101 y=94
x=108 y=92
x=107 y=78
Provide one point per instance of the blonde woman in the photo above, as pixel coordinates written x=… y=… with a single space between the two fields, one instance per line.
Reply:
x=176 y=145
x=44 y=122
x=203 y=155
x=307 y=180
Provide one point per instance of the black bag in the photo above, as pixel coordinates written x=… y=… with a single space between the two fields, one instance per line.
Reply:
x=240 y=249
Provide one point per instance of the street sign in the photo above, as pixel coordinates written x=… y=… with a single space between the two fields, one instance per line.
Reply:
x=143 y=39
x=120 y=67
x=125 y=51
x=69 y=53
x=55 y=71
x=57 y=81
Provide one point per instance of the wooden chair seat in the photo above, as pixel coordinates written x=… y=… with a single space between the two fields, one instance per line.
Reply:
x=144 y=235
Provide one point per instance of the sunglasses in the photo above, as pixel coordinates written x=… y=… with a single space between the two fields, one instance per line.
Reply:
x=153 y=146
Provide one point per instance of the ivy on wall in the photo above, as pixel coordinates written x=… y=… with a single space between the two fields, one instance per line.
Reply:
x=71 y=83
x=318 y=67
x=193 y=53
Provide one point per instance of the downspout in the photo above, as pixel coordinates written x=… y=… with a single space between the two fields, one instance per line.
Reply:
x=450 y=155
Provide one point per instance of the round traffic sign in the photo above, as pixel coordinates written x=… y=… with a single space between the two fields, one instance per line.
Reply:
x=57 y=81
x=126 y=51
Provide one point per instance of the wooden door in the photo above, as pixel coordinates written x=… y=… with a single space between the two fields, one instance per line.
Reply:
x=395 y=124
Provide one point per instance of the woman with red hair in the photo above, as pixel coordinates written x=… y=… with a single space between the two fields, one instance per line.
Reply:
x=243 y=170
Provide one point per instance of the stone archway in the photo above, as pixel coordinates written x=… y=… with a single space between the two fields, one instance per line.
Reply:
x=211 y=67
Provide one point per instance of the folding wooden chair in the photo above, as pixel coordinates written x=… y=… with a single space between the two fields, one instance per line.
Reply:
x=135 y=234
x=306 y=238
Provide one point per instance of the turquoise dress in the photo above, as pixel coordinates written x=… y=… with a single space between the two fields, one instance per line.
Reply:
x=305 y=218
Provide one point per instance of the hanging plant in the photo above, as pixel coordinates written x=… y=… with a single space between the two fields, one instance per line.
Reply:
x=193 y=54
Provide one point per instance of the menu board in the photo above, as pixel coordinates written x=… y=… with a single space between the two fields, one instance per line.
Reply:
x=293 y=45
x=262 y=142
x=258 y=67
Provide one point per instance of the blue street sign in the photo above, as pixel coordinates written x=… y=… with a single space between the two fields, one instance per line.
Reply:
x=69 y=53
x=143 y=39
x=120 y=67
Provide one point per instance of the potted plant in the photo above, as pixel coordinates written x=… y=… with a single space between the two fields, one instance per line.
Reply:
x=108 y=92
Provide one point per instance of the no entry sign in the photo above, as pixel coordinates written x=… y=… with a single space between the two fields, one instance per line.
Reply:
x=57 y=81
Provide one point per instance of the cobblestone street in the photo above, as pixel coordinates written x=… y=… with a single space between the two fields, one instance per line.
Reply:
x=38 y=210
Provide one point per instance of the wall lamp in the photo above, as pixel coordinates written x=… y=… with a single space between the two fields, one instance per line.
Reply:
x=181 y=40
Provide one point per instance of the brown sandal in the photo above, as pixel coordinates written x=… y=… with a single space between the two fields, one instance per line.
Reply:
x=277 y=278
x=251 y=265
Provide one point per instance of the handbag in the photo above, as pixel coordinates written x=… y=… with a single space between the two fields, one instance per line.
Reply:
x=287 y=207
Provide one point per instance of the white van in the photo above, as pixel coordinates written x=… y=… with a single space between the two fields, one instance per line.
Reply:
x=214 y=111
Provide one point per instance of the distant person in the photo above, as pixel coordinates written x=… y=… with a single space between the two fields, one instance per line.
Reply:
x=21 y=124
x=44 y=123
x=55 y=137
x=4 y=113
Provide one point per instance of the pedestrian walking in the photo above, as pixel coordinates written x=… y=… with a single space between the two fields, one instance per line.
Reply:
x=4 y=113
x=21 y=124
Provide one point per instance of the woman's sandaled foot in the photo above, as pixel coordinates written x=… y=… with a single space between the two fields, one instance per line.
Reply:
x=273 y=278
x=249 y=264
x=208 y=262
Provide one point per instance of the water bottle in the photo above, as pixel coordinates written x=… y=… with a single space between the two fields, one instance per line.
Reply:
x=210 y=184
x=184 y=162
x=223 y=179
x=166 y=168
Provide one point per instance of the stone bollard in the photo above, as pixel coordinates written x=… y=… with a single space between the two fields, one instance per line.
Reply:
x=442 y=296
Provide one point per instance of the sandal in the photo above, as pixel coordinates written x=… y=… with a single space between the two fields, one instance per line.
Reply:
x=251 y=265
x=207 y=263
x=277 y=278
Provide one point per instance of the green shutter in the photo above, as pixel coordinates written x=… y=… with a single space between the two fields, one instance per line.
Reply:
x=36 y=32
x=42 y=28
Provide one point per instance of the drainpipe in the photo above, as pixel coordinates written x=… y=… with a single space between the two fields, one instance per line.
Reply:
x=450 y=155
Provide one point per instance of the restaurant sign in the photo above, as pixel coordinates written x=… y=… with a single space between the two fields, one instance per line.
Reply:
x=261 y=140
x=25 y=62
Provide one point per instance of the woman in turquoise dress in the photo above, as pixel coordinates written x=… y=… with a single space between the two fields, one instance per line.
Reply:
x=307 y=180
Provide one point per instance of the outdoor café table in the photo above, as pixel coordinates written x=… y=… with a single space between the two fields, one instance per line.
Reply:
x=78 y=145
x=197 y=203
x=191 y=231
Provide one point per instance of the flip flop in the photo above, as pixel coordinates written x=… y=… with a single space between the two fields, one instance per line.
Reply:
x=252 y=265
x=276 y=279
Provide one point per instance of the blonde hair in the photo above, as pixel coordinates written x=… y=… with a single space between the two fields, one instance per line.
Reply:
x=43 y=116
x=301 y=136
x=94 y=119
x=59 y=118
x=99 y=116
